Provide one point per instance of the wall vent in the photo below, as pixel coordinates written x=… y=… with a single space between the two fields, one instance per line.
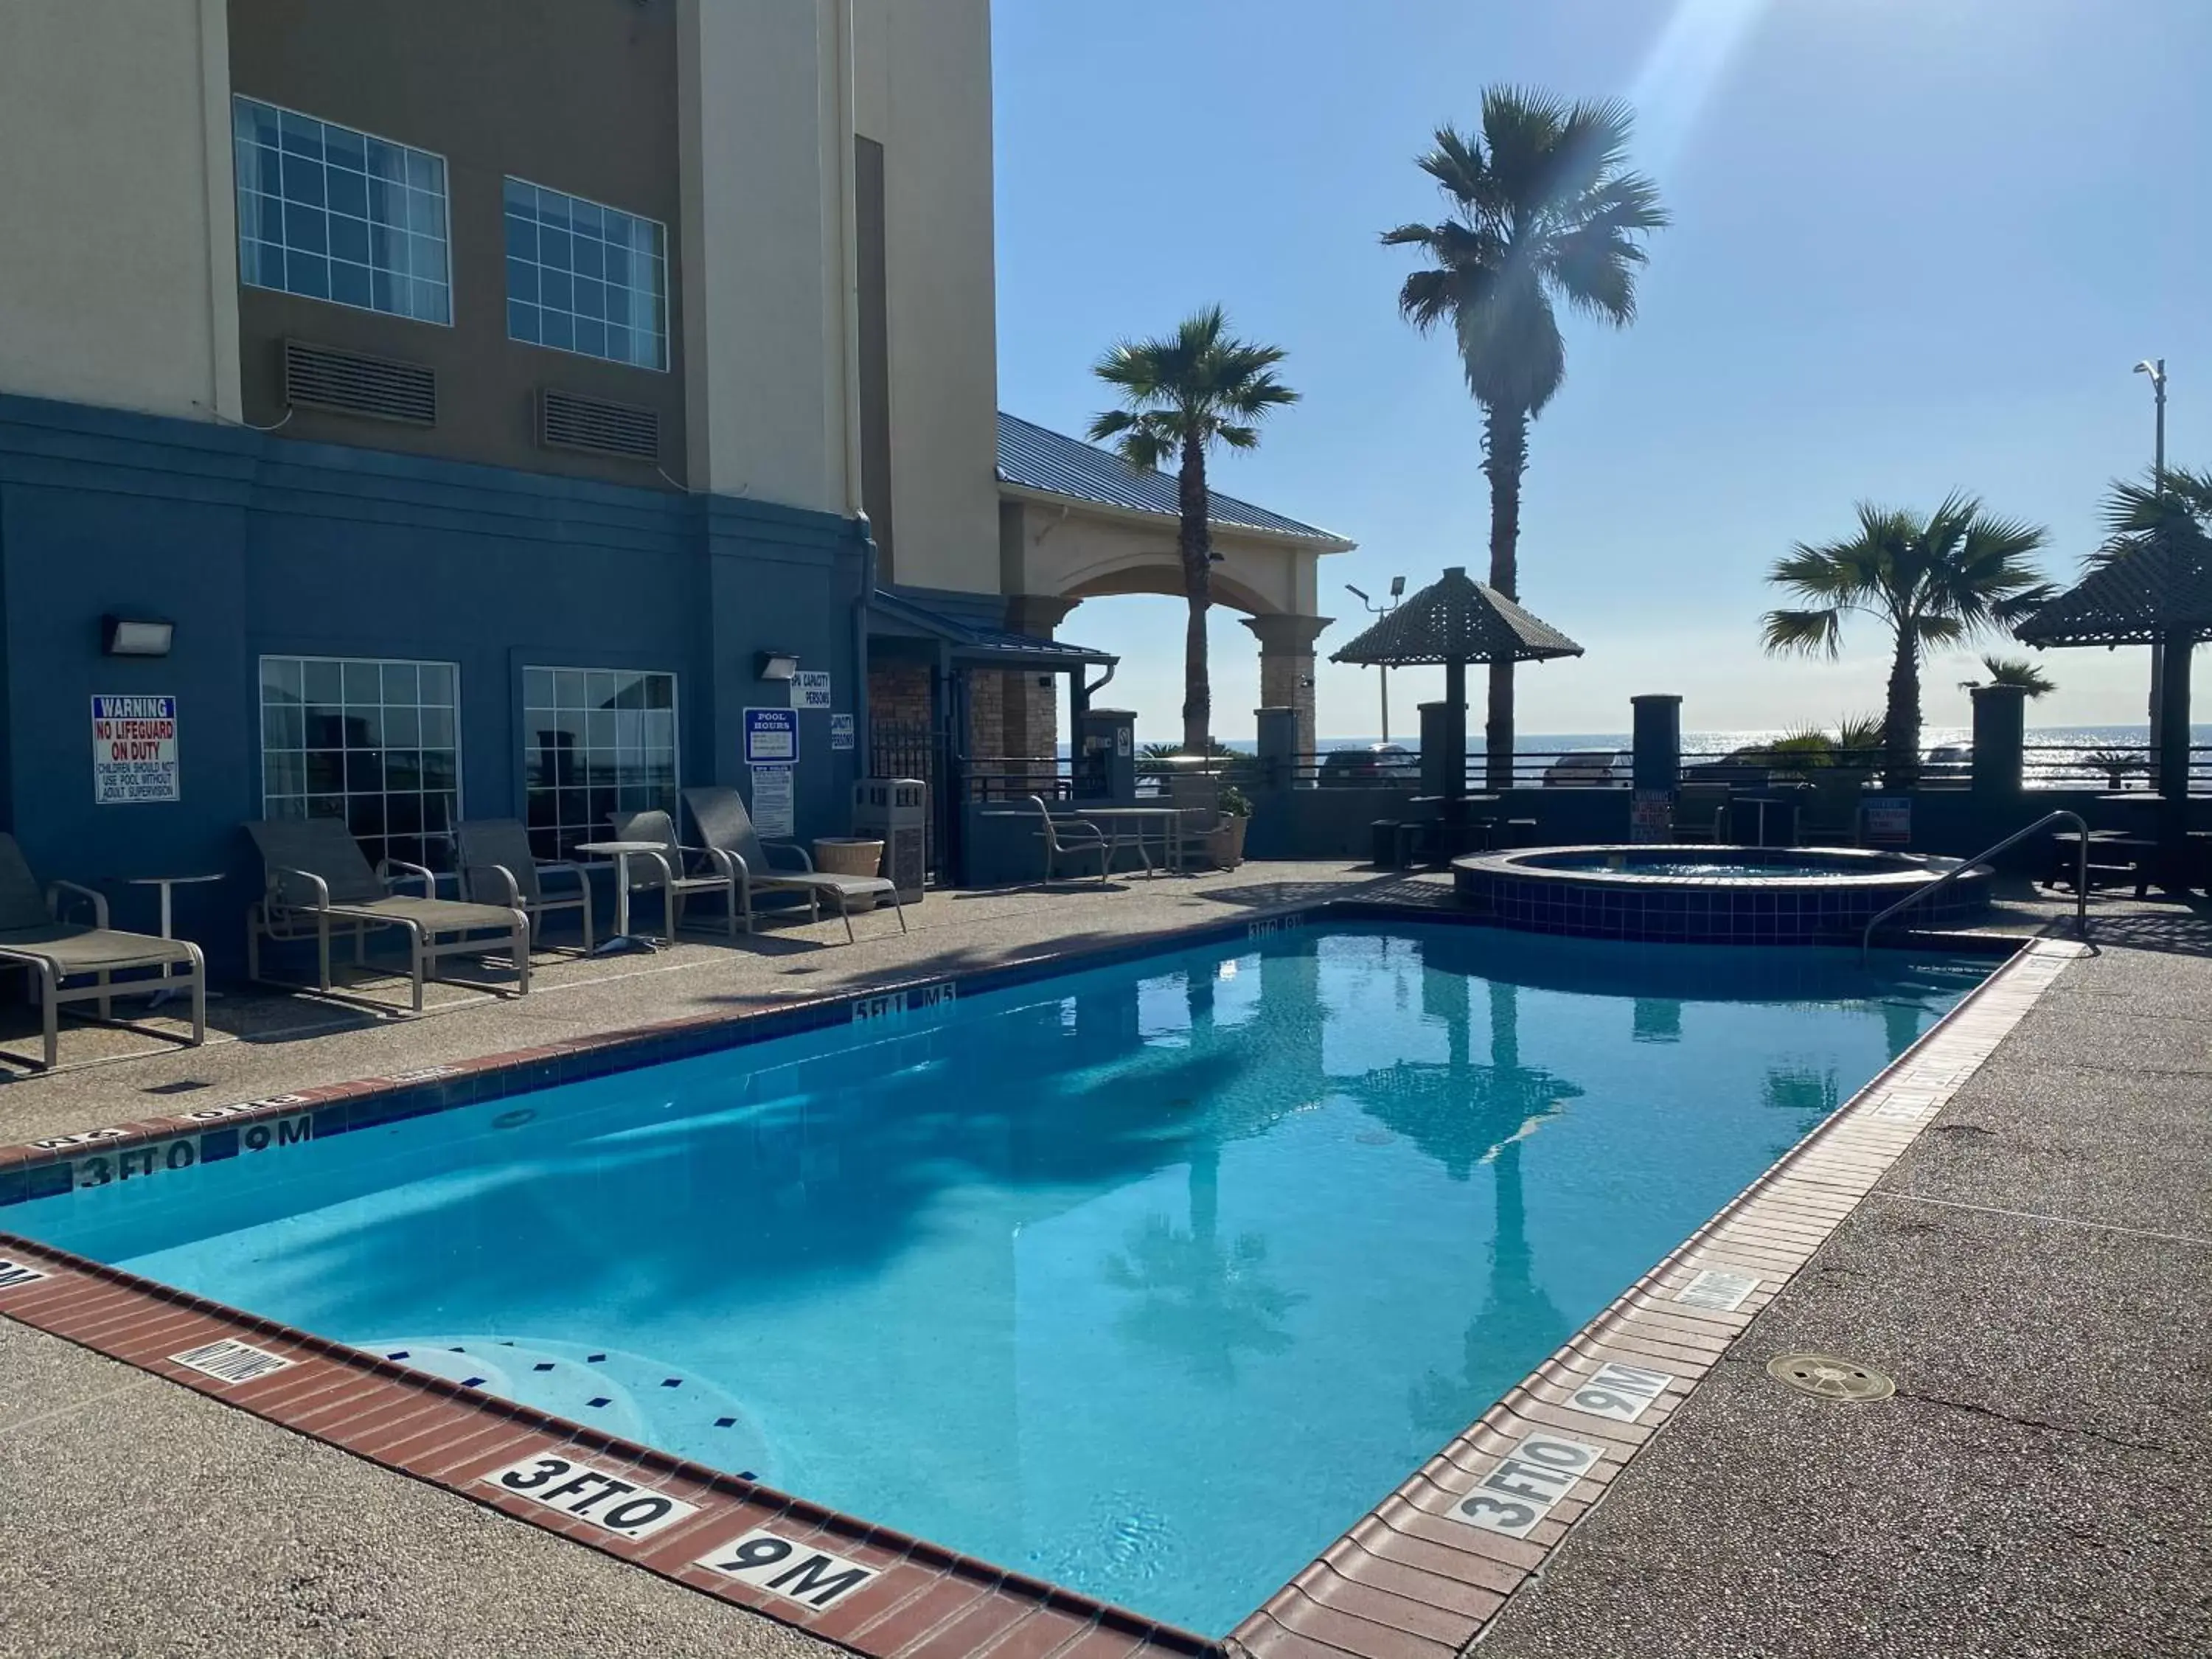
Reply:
x=351 y=383
x=568 y=420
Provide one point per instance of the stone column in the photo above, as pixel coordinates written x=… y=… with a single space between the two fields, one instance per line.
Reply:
x=2000 y=732
x=1286 y=666
x=1029 y=699
x=1657 y=757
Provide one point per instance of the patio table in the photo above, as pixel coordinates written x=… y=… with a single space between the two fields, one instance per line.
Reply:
x=168 y=884
x=621 y=852
x=1170 y=838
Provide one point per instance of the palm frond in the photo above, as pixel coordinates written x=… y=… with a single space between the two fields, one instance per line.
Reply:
x=1805 y=633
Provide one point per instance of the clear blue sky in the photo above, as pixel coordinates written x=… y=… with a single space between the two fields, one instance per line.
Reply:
x=1917 y=247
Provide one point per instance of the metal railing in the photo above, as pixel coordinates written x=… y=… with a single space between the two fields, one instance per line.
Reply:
x=1967 y=866
x=2115 y=767
x=1015 y=777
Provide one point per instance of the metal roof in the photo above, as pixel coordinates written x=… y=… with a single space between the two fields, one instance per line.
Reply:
x=1032 y=458
x=895 y=613
x=1457 y=617
x=2162 y=588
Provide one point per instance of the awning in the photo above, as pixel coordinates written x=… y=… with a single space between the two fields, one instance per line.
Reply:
x=897 y=615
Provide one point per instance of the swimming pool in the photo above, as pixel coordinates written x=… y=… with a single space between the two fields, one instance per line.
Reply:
x=1147 y=1280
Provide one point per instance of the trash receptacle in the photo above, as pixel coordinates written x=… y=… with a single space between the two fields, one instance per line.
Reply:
x=896 y=811
x=1383 y=847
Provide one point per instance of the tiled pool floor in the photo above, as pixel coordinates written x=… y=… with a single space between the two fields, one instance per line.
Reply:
x=320 y=1552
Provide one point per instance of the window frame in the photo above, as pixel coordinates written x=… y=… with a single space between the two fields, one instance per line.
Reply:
x=262 y=658
x=524 y=668
x=446 y=203
x=666 y=336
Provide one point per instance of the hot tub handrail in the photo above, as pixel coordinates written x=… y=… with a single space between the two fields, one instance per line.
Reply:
x=2080 y=876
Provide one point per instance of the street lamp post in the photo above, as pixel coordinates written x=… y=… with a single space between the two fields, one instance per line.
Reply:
x=2156 y=367
x=1397 y=593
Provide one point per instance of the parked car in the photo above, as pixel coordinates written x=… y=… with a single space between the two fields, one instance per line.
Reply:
x=1587 y=768
x=1373 y=763
x=1949 y=760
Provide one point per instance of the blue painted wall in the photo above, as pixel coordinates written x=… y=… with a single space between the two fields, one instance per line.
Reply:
x=253 y=545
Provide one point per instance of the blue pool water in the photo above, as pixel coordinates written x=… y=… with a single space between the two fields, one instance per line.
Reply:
x=1149 y=1279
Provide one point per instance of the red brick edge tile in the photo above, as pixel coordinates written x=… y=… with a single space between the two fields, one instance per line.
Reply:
x=920 y=1600
x=1418 y=1579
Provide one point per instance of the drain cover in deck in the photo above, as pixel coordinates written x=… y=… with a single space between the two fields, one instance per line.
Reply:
x=1830 y=1376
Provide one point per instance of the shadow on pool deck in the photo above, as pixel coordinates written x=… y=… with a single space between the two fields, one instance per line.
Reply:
x=2033 y=1273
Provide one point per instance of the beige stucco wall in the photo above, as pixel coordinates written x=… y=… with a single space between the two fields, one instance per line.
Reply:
x=922 y=74
x=758 y=91
x=119 y=280
x=1083 y=553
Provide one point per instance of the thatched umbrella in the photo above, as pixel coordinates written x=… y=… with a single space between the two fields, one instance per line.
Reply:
x=1454 y=621
x=2158 y=594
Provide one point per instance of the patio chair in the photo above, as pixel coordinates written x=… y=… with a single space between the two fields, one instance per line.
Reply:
x=1830 y=816
x=316 y=874
x=674 y=870
x=498 y=867
x=1197 y=798
x=727 y=829
x=1701 y=812
x=1070 y=838
x=34 y=937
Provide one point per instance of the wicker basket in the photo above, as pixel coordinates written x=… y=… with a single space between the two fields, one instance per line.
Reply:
x=849 y=856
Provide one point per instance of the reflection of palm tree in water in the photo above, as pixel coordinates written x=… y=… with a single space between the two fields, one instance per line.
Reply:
x=1204 y=1300
x=1475 y=1115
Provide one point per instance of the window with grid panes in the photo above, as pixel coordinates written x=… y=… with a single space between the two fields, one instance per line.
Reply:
x=338 y=214
x=584 y=278
x=596 y=741
x=376 y=743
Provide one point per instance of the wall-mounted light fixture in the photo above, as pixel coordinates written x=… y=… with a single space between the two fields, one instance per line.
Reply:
x=123 y=637
x=776 y=664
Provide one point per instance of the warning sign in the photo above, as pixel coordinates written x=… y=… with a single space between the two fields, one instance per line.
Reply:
x=134 y=750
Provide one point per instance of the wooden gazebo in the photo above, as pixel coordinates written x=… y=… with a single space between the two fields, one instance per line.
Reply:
x=1454 y=621
x=2158 y=594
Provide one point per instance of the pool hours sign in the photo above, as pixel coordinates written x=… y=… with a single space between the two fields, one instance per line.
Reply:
x=134 y=750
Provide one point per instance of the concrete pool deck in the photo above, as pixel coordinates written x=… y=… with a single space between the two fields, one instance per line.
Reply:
x=2001 y=1504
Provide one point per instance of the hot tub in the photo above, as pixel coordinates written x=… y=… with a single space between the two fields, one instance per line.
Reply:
x=1712 y=894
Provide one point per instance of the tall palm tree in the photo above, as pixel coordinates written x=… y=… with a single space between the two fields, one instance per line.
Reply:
x=1542 y=208
x=1179 y=395
x=1943 y=580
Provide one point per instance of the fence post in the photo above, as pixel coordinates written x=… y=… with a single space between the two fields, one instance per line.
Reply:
x=1278 y=746
x=1999 y=740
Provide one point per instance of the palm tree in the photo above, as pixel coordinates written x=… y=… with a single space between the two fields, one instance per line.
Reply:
x=2136 y=515
x=1938 y=581
x=1542 y=208
x=2015 y=671
x=1179 y=395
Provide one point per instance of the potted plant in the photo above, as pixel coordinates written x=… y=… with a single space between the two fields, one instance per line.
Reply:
x=1225 y=842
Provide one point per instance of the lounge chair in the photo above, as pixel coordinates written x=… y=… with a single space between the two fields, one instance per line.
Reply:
x=498 y=867
x=676 y=871
x=33 y=936
x=727 y=829
x=1072 y=838
x=316 y=874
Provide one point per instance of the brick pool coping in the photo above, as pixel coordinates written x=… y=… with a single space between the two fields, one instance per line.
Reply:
x=1412 y=1580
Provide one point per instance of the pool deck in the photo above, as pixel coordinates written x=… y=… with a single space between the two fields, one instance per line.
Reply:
x=2032 y=1271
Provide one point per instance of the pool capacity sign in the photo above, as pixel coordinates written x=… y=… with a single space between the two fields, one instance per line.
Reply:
x=134 y=750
